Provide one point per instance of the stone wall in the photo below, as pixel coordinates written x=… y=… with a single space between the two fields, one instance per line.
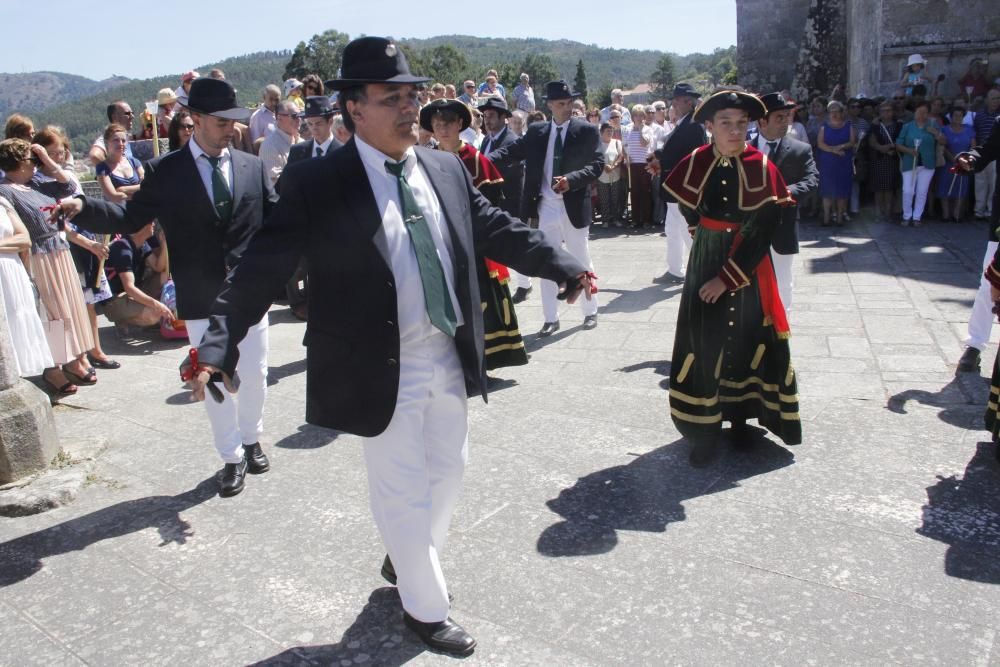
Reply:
x=769 y=36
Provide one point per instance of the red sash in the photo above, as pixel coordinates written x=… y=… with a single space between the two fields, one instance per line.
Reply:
x=767 y=283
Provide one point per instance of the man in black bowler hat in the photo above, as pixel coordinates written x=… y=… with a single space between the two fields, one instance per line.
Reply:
x=318 y=115
x=210 y=200
x=562 y=159
x=392 y=233
x=794 y=160
x=495 y=115
x=687 y=136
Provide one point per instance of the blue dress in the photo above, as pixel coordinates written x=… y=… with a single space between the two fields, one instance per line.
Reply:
x=836 y=173
x=951 y=185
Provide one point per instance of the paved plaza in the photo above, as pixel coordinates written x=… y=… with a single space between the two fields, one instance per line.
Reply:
x=583 y=536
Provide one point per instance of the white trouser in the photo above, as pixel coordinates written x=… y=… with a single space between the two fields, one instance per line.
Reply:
x=915 y=184
x=985 y=183
x=519 y=279
x=415 y=470
x=981 y=320
x=675 y=226
x=783 y=267
x=554 y=223
x=238 y=421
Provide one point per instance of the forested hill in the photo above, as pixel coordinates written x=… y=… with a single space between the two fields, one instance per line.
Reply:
x=84 y=118
x=33 y=91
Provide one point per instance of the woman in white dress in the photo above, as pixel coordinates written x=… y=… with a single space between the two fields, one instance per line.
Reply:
x=31 y=350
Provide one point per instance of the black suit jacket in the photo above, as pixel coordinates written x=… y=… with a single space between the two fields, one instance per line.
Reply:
x=982 y=156
x=794 y=159
x=686 y=137
x=328 y=212
x=582 y=163
x=513 y=173
x=202 y=247
x=304 y=150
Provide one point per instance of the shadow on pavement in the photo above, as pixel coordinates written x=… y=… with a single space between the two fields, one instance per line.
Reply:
x=308 y=437
x=965 y=514
x=22 y=557
x=633 y=301
x=377 y=637
x=276 y=374
x=645 y=495
x=957 y=408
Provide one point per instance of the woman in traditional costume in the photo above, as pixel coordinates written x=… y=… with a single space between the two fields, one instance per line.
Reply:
x=446 y=119
x=731 y=360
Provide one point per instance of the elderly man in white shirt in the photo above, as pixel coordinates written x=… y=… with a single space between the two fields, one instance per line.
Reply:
x=274 y=150
x=617 y=97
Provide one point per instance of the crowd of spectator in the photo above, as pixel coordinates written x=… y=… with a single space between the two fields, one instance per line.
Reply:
x=894 y=152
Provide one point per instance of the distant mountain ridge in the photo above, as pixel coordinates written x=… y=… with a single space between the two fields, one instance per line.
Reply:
x=31 y=92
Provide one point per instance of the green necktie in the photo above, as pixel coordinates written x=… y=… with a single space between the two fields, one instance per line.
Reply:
x=557 y=154
x=437 y=300
x=220 y=191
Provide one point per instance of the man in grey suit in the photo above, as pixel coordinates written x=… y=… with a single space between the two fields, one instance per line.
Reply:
x=794 y=160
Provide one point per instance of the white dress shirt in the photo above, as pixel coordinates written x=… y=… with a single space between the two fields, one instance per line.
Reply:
x=762 y=142
x=414 y=325
x=325 y=146
x=262 y=123
x=274 y=154
x=205 y=167
x=547 y=175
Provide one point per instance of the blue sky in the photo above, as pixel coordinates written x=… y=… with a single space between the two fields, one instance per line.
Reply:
x=190 y=33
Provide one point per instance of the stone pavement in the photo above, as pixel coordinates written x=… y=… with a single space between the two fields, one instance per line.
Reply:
x=583 y=536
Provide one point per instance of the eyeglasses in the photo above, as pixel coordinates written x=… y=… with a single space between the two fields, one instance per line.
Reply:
x=128 y=113
x=469 y=87
x=189 y=128
x=614 y=117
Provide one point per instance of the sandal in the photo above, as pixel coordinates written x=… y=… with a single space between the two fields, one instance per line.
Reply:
x=85 y=380
x=109 y=364
x=67 y=389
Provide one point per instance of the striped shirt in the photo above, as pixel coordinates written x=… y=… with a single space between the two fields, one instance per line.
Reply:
x=983 y=124
x=634 y=146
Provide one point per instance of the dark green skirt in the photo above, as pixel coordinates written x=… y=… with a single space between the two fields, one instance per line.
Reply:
x=728 y=363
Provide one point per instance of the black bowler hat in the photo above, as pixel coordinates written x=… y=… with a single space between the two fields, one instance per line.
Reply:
x=730 y=99
x=559 y=90
x=214 y=97
x=685 y=90
x=460 y=108
x=373 y=60
x=777 y=102
x=496 y=104
x=317 y=105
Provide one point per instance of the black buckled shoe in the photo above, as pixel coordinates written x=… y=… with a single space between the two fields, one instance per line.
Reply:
x=970 y=360
x=445 y=636
x=257 y=462
x=520 y=294
x=548 y=329
x=233 y=479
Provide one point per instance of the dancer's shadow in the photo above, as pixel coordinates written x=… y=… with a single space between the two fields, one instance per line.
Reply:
x=965 y=514
x=277 y=373
x=308 y=437
x=661 y=367
x=377 y=637
x=646 y=495
x=23 y=556
x=958 y=408
x=633 y=301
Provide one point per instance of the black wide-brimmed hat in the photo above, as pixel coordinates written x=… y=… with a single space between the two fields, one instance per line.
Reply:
x=777 y=102
x=460 y=108
x=684 y=90
x=730 y=99
x=373 y=60
x=496 y=104
x=317 y=105
x=214 y=97
x=559 y=90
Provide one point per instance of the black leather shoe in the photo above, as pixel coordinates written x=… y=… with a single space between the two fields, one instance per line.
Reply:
x=589 y=322
x=388 y=571
x=668 y=279
x=446 y=636
x=256 y=459
x=703 y=453
x=548 y=329
x=520 y=294
x=233 y=479
x=970 y=360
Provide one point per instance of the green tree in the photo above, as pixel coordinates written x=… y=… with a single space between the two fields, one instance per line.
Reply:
x=580 y=82
x=446 y=64
x=662 y=79
x=321 y=56
x=540 y=69
x=602 y=96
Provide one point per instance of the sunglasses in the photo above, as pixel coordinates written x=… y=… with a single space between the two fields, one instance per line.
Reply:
x=185 y=126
